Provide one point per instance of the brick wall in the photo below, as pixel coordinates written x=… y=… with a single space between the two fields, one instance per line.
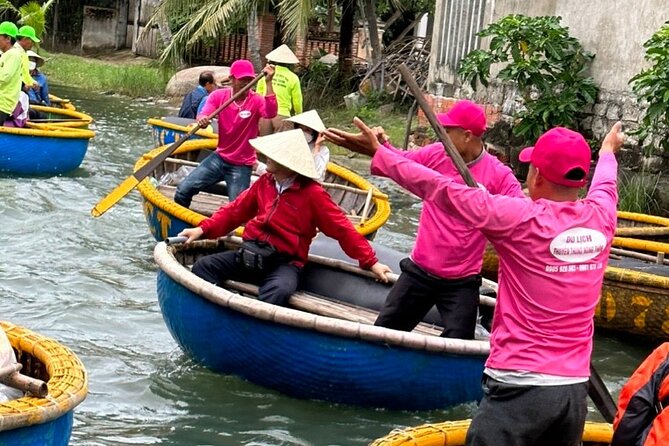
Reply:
x=441 y=104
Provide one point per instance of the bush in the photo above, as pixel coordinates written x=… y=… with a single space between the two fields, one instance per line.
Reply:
x=637 y=192
x=548 y=66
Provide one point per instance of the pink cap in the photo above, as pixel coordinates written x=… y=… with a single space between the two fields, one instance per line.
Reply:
x=466 y=115
x=557 y=153
x=242 y=68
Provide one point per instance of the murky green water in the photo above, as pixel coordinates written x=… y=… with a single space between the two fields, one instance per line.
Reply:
x=90 y=283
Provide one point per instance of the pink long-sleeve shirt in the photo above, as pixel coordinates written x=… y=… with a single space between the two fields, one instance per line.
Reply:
x=446 y=246
x=552 y=259
x=237 y=123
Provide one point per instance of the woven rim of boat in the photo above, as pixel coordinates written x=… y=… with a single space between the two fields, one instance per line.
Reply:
x=48 y=131
x=64 y=103
x=641 y=245
x=639 y=278
x=660 y=225
x=153 y=195
x=164 y=256
x=79 y=119
x=204 y=133
x=453 y=433
x=68 y=383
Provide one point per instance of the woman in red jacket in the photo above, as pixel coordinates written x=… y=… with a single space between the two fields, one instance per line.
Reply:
x=282 y=212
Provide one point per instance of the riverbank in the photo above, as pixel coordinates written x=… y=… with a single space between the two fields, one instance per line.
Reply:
x=128 y=76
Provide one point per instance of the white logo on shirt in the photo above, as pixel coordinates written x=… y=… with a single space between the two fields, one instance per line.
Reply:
x=577 y=245
x=244 y=114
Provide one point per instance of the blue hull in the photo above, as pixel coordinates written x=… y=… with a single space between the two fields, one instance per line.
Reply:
x=313 y=365
x=53 y=433
x=40 y=155
x=163 y=135
x=162 y=224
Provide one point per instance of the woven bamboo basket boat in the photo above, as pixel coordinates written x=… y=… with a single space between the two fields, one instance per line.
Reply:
x=62 y=117
x=635 y=292
x=168 y=129
x=642 y=226
x=61 y=102
x=42 y=150
x=453 y=433
x=46 y=421
x=367 y=207
x=320 y=347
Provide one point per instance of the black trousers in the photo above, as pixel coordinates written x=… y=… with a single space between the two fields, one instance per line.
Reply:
x=415 y=292
x=275 y=285
x=3 y=117
x=511 y=415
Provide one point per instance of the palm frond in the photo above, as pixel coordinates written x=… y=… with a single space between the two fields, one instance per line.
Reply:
x=208 y=22
x=295 y=15
x=7 y=6
x=33 y=15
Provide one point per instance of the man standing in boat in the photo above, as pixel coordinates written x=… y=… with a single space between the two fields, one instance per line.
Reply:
x=10 y=71
x=234 y=157
x=553 y=250
x=444 y=268
x=282 y=212
x=288 y=90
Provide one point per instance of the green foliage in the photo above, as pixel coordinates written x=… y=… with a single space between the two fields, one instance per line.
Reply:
x=652 y=86
x=31 y=13
x=321 y=84
x=548 y=66
x=637 y=193
x=137 y=80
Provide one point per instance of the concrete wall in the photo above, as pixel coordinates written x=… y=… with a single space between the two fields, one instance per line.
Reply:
x=98 y=29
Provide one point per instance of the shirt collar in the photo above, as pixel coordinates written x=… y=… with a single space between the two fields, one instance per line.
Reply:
x=282 y=186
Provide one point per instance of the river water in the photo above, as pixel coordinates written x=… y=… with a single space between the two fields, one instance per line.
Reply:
x=90 y=283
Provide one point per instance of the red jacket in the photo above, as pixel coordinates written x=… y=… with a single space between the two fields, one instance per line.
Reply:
x=288 y=221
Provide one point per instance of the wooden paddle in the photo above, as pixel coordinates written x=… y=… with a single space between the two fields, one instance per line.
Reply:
x=597 y=390
x=133 y=180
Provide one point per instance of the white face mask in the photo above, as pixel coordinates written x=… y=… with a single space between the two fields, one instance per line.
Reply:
x=32 y=65
x=308 y=135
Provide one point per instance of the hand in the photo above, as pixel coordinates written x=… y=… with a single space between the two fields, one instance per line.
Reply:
x=365 y=142
x=35 y=86
x=380 y=270
x=269 y=72
x=614 y=140
x=191 y=233
x=203 y=122
x=380 y=134
x=319 y=142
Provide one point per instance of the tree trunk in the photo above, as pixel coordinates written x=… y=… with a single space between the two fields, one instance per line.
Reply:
x=373 y=32
x=253 y=44
x=346 y=39
x=331 y=16
x=135 y=28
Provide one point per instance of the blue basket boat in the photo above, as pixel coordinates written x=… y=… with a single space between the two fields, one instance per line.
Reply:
x=321 y=347
x=169 y=129
x=43 y=150
x=32 y=421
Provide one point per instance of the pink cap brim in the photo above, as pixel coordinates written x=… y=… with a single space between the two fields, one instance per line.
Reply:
x=446 y=121
x=525 y=155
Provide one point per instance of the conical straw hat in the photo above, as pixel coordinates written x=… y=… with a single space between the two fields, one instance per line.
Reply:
x=282 y=54
x=289 y=149
x=40 y=59
x=309 y=119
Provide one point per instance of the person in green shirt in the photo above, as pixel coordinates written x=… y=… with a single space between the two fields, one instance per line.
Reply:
x=286 y=87
x=25 y=39
x=10 y=71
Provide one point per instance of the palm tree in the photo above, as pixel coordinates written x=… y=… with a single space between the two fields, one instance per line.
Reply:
x=32 y=13
x=207 y=19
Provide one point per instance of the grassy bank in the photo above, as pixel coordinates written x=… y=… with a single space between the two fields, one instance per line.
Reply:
x=136 y=79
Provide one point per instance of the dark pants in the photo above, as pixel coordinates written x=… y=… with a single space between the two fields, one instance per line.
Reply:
x=415 y=292
x=4 y=117
x=210 y=171
x=275 y=285
x=511 y=415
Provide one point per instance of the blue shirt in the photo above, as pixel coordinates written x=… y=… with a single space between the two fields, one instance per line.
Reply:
x=40 y=95
x=193 y=102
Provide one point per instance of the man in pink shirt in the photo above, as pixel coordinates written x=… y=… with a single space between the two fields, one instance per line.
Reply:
x=444 y=268
x=553 y=249
x=234 y=157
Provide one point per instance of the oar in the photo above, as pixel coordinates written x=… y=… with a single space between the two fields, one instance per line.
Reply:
x=597 y=390
x=133 y=180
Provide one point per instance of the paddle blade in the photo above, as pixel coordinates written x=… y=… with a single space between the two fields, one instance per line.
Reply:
x=114 y=196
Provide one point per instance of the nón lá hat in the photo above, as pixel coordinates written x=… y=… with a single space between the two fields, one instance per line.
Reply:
x=289 y=149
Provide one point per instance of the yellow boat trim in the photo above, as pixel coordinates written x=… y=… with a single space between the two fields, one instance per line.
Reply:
x=453 y=433
x=641 y=245
x=48 y=131
x=68 y=381
x=660 y=225
x=204 y=133
x=633 y=277
x=64 y=103
x=151 y=194
x=79 y=119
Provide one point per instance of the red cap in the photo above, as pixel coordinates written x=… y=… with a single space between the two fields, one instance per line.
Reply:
x=556 y=153
x=242 y=68
x=466 y=115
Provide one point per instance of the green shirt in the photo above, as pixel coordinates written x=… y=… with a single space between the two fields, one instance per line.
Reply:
x=26 y=78
x=10 y=80
x=286 y=86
